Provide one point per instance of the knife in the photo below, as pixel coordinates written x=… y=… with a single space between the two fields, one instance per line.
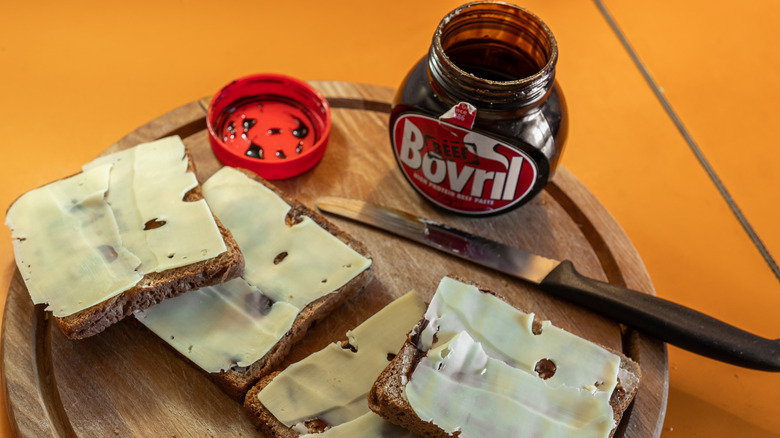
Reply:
x=659 y=318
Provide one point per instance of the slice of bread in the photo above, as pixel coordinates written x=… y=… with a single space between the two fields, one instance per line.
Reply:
x=326 y=391
x=264 y=420
x=155 y=287
x=270 y=426
x=388 y=395
x=237 y=380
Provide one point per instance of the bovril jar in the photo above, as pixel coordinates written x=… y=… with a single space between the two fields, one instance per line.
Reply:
x=479 y=124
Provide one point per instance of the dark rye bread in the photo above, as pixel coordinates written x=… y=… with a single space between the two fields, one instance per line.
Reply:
x=266 y=422
x=238 y=380
x=387 y=397
x=263 y=419
x=155 y=287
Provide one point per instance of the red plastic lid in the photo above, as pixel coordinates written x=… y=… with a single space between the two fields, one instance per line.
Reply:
x=273 y=125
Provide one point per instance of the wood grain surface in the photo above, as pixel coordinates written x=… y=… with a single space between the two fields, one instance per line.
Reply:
x=126 y=382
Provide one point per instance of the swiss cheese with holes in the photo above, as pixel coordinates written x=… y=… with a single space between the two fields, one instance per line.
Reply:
x=503 y=376
x=331 y=386
x=287 y=267
x=84 y=239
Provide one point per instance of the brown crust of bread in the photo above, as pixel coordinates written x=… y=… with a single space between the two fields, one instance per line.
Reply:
x=236 y=382
x=262 y=418
x=387 y=398
x=155 y=287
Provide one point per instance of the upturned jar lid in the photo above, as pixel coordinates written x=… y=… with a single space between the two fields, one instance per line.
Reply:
x=274 y=125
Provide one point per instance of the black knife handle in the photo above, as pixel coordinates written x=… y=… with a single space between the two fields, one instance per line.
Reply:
x=665 y=320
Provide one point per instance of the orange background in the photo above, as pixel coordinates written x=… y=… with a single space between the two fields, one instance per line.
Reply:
x=76 y=76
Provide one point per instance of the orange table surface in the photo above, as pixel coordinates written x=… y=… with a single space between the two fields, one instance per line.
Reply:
x=77 y=76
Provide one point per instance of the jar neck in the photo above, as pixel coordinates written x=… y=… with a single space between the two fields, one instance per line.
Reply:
x=493 y=54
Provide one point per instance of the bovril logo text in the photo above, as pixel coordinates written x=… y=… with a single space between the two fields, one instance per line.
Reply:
x=460 y=169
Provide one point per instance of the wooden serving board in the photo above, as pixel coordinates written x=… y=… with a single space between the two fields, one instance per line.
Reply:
x=126 y=382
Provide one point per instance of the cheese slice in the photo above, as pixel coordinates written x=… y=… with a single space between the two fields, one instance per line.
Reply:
x=313 y=262
x=148 y=184
x=483 y=353
x=219 y=327
x=506 y=333
x=67 y=246
x=487 y=397
x=333 y=384
x=84 y=239
x=235 y=324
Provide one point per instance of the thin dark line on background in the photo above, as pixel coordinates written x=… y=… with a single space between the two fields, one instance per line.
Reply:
x=691 y=142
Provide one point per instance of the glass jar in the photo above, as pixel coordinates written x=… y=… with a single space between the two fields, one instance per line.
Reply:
x=479 y=124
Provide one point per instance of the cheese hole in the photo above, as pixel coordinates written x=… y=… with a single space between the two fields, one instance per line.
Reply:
x=151 y=224
x=191 y=196
x=108 y=252
x=258 y=304
x=295 y=216
x=348 y=265
x=536 y=327
x=279 y=257
x=545 y=368
x=170 y=256
x=324 y=280
x=390 y=357
x=347 y=346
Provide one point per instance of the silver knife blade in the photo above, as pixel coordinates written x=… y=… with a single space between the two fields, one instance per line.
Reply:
x=477 y=249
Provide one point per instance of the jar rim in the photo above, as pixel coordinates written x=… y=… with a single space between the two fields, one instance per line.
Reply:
x=534 y=85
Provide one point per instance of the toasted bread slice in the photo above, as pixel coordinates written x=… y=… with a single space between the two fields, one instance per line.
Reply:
x=326 y=391
x=237 y=380
x=155 y=287
x=388 y=400
x=263 y=419
x=388 y=396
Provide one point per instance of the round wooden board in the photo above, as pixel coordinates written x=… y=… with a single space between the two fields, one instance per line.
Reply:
x=126 y=382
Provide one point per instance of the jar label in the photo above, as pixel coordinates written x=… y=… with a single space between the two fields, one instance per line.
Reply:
x=460 y=169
